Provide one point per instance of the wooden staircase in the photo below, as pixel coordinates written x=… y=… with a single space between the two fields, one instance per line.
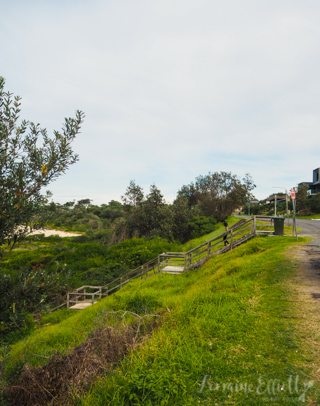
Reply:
x=173 y=263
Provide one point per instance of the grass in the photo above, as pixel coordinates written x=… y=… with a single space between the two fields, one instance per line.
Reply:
x=87 y=262
x=310 y=217
x=220 y=230
x=229 y=328
x=228 y=335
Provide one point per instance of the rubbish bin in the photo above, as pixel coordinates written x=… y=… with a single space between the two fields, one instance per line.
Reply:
x=278 y=225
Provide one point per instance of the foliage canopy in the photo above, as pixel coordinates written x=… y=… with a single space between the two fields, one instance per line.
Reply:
x=218 y=194
x=29 y=161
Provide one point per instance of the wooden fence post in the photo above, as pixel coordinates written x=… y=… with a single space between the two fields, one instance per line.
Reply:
x=68 y=300
x=231 y=239
x=121 y=282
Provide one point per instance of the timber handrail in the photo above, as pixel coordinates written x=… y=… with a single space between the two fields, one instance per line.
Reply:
x=195 y=258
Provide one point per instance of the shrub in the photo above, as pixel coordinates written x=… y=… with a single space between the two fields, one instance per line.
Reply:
x=27 y=292
x=314 y=203
x=201 y=225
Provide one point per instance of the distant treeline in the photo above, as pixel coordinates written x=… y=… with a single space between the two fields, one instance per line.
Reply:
x=195 y=211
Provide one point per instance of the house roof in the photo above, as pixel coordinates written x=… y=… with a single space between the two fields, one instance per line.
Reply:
x=272 y=198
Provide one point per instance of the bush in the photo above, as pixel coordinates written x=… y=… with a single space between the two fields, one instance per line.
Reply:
x=201 y=225
x=25 y=293
x=102 y=237
x=255 y=209
x=314 y=203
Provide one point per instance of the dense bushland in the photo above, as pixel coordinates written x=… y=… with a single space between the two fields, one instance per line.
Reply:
x=195 y=211
x=111 y=223
x=32 y=278
x=83 y=216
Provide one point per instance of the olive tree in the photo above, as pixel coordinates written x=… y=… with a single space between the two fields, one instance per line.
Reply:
x=29 y=161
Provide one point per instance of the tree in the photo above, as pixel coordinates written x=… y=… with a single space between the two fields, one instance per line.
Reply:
x=148 y=215
x=133 y=197
x=29 y=161
x=190 y=193
x=314 y=203
x=181 y=214
x=115 y=203
x=302 y=197
x=69 y=205
x=218 y=194
x=85 y=203
x=157 y=215
x=201 y=225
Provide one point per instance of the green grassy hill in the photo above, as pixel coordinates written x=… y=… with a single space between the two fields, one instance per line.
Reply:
x=225 y=333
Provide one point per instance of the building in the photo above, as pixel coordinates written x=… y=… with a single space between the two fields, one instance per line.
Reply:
x=281 y=197
x=314 y=186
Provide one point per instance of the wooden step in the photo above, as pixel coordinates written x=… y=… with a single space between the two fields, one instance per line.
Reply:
x=175 y=270
x=82 y=305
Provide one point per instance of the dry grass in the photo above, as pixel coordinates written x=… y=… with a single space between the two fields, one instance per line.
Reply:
x=65 y=377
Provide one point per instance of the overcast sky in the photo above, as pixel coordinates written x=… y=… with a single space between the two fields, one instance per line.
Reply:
x=171 y=89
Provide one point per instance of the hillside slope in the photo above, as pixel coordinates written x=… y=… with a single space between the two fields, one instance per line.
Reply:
x=226 y=335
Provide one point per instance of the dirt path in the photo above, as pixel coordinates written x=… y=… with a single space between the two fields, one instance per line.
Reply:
x=309 y=258
x=307 y=306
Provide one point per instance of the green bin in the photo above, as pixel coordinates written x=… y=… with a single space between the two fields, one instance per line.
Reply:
x=278 y=225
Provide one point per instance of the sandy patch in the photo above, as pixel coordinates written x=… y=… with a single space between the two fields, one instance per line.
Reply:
x=59 y=233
